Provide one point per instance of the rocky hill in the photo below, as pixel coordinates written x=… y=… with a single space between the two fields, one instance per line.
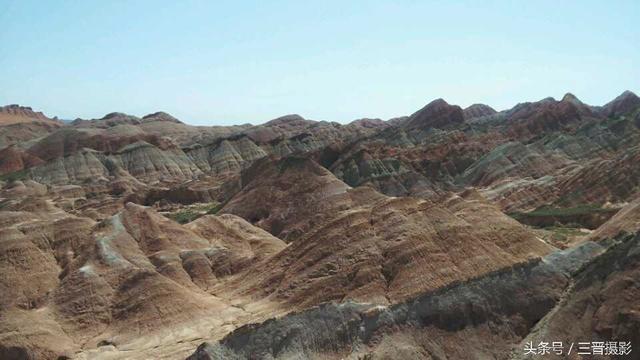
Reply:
x=20 y=124
x=450 y=233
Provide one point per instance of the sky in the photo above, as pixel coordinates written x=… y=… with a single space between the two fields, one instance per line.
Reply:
x=234 y=62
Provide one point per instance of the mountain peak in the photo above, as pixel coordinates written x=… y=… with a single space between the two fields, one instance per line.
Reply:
x=161 y=116
x=570 y=97
x=628 y=93
x=114 y=115
x=625 y=96
x=117 y=118
x=286 y=119
x=621 y=105
x=437 y=114
x=438 y=102
x=478 y=110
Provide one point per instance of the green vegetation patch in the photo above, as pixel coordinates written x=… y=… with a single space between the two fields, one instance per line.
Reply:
x=190 y=214
x=184 y=216
x=560 y=212
x=16 y=175
x=560 y=236
x=582 y=216
x=213 y=209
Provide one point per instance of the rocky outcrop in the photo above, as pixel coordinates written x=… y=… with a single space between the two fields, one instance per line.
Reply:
x=511 y=160
x=601 y=305
x=67 y=142
x=20 y=124
x=151 y=164
x=615 y=179
x=589 y=165
x=75 y=168
x=359 y=244
x=400 y=163
x=152 y=149
x=627 y=220
x=17 y=113
x=472 y=319
x=13 y=159
x=159 y=125
x=132 y=275
x=23 y=189
x=227 y=156
x=285 y=196
x=245 y=242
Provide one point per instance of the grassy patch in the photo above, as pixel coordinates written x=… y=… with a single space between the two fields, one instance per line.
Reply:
x=582 y=216
x=16 y=175
x=572 y=211
x=561 y=237
x=189 y=214
x=213 y=209
x=565 y=231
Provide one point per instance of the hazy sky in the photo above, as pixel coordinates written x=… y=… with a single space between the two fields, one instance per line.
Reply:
x=227 y=62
